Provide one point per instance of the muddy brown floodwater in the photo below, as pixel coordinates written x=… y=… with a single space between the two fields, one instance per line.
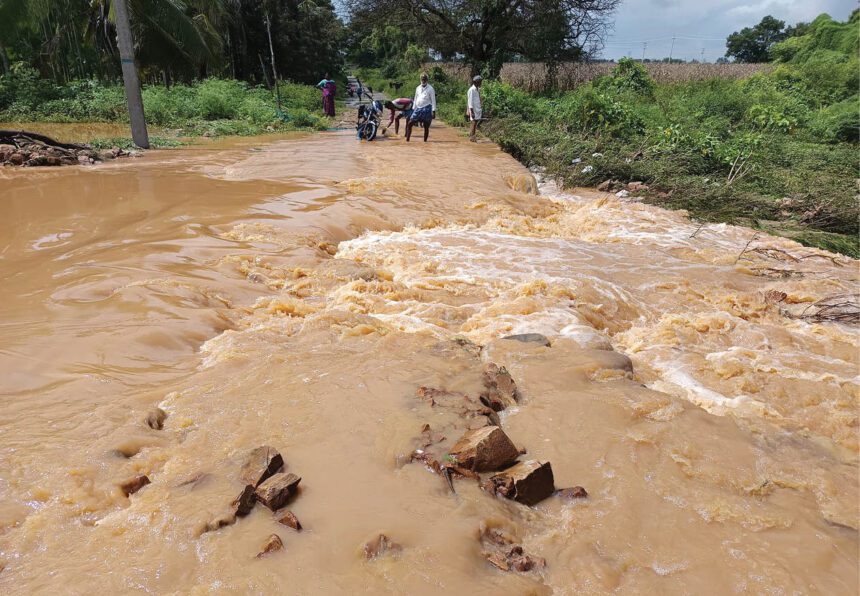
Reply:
x=297 y=292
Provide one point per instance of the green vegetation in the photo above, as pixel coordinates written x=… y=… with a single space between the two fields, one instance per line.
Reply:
x=207 y=66
x=776 y=151
x=212 y=107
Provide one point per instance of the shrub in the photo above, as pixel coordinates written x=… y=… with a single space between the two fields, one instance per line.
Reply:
x=839 y=122
x=629 y=76
x=501 y=100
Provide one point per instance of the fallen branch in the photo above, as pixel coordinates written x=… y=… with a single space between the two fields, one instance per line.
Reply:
x=751 y=240
x=13 y=137
x=699 y=229
x=839 y=308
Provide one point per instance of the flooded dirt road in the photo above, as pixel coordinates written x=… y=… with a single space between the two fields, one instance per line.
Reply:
x=299 y=292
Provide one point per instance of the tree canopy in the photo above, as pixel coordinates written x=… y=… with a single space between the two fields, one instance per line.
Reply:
x=753 y=44
x=488 y=32
x=175 y=39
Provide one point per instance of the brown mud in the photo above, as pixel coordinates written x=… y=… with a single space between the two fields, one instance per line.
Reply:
x=297 y=292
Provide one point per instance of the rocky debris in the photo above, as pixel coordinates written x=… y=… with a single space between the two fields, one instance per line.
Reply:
x=219 y=522
x=528 y=482
x=536 y=338
x=288 y=518
x=500 y=549
x=277 y=490
x=23 y=148
x=132 y=485
x=475 y=412
x=568 y=494
x=261 y=464
x=622 y=194
x=429 y=437
x=244 y=503
x=500 y=389
x=273 y=543
x=155 y=419
x=379 y=546
x=774 y=296
x=637 y=186
x=484 y=450
x=608 y=185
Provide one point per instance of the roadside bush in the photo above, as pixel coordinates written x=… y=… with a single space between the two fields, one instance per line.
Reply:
x=629 y=75
x=209 y=107
x=502 y=100
x=839 y=122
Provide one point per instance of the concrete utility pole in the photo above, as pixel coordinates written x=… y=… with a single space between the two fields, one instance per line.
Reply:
x=672 y=49
x=129 y=75
x=644 y=47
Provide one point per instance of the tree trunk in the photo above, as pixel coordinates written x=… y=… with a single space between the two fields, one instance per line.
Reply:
x=272 y=52
x=130 y=76
x=4 y=57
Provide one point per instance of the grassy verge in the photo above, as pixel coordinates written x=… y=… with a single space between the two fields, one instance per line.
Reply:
x=213 y=107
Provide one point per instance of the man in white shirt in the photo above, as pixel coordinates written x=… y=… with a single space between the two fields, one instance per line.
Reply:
x=423 y=107
x=473 y=99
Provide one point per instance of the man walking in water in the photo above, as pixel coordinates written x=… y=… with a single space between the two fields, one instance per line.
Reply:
x=423 y=107
x=473 y=100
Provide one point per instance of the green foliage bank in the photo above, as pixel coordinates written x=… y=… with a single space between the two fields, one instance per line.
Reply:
x=211 y=107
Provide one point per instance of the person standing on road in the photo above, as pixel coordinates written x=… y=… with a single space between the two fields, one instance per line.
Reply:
x=473 y=101
x=329 y=89
x=423 y=107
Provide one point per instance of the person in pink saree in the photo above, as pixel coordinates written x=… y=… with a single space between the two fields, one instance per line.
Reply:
x=329 y=88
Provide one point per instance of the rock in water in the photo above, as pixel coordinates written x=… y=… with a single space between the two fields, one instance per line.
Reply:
x=528 y=482
x=484 y=450
x=244 y=503
x=275 y=492
x=262 y=462
x=132 y=485
x=273 y=543
x=501 y=391
x=536 y=338
x=219 y=522
x=380 y=545
x=568 y=494
x=155 y=419
x=522 y=182
x=289 y=519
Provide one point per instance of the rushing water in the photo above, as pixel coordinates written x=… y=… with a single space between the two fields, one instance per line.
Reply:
x=297 y=292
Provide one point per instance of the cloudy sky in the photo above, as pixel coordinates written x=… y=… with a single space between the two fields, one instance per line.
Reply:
x=699 y=24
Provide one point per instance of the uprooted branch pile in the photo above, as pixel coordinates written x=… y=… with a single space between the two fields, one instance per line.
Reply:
x=839 y=308
x=24 y=148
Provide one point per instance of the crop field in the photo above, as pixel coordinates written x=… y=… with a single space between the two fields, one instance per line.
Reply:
x=532 y=76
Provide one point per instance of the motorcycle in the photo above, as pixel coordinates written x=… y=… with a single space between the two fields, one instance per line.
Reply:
x=369 y=116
